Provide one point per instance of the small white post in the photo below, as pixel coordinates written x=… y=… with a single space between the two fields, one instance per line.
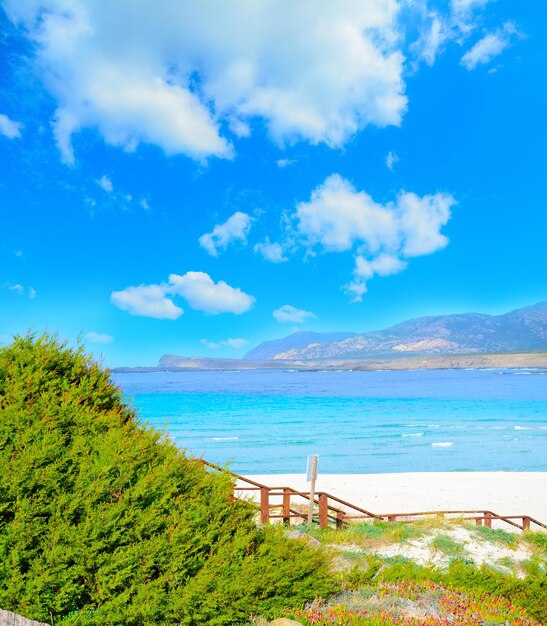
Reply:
x=311 y=476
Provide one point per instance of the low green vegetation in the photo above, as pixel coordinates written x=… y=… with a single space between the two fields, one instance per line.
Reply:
x=399 y=592
x=104 y=521
x=408 y=603
x=372 y=534
x=497 y=535
x=446 y=544
x=538 y=541
x=364 y=569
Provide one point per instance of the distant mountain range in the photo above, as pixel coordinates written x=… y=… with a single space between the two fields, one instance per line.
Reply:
x=522 y=330
x=296 y=341
x=517 y=339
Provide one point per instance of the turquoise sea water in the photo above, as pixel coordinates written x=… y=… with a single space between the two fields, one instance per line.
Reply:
x=269 y=421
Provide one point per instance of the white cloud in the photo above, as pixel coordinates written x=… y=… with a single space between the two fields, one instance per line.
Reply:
x=435 y=32
x=289 y=313
x=175 y=74
x=285 y=162
x=464 y=18
x=339 y=218
x=489 y=47
x=212 y=345
x=230 y=343
x=148 y=301
x=365 y=269
x=356 y=289
x=105 y=183
x=466 y=6
x=9 y=128
x=235 y=228
x=114 y=197
x=197 y=288
x=144 y=204
x=272 y=252
x=391 y=160
x=94 y=337
x=420 y=221
x=20 y=290
x=236 y=343
x=203 y=294
x=441 y=26
x=383 y=265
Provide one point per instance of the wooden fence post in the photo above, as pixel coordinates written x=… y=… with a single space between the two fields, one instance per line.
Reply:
x=264 y=505
x=525 y=523
x=313 y=478
x=323 y=510
x=340 y=519
x=286 y=506
x=488 y=519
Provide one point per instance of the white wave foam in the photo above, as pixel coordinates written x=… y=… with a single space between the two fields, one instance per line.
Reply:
x=224 y=438
x=442 y=444
x=412 y=435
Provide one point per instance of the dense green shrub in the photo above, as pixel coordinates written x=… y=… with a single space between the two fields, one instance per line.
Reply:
x=103 y=521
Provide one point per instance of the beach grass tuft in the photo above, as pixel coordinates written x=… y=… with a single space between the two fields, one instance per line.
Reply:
x=448 y=545
x=497 y=535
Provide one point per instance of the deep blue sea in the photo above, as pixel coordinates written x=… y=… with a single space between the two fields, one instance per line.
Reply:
x=269 y=421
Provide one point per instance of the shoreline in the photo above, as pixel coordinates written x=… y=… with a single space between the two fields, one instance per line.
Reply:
x=408 y=362
x=505 y=493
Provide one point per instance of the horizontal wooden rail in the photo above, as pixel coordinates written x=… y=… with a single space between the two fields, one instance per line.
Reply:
x=329 y=507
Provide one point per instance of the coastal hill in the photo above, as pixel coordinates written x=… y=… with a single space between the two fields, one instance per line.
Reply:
x=298 y=340
x=467 y=340
x=171 y=362
x=522 y=330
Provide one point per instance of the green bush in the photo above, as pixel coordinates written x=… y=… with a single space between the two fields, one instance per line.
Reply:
x=103 y=521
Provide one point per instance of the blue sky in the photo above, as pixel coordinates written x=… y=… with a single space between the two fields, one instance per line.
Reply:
x=195 y=178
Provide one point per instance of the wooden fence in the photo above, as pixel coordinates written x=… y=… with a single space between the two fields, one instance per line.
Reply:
x=286 y=504
x=12 y=619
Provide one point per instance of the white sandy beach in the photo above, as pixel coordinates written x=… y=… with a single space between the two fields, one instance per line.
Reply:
x=505 y=493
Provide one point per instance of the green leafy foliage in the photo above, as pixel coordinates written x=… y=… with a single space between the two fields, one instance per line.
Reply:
x=103 y=521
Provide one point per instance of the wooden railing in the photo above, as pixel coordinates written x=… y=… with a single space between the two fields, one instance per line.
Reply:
x=286 y=504
x=7 y=618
